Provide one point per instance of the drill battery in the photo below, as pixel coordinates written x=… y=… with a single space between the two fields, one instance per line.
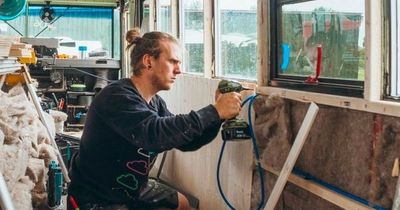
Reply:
x=235 y=130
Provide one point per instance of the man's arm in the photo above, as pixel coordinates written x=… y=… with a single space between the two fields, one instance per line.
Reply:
x=138 y=123
x=130 y=117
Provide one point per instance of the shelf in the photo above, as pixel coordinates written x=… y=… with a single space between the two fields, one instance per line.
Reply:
x=75 y=125
x=51 y=90
x=69 y=64
x=77 y=106
x=81 y=93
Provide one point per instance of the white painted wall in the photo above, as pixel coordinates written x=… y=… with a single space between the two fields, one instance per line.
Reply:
x=195 y=172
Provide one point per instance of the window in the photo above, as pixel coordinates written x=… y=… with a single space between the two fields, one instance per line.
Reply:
x=192 y=26
x=236 y=38
x=164 y=18
x=395 y=54
x=76 y=23
x=318 y=45
x=98 y=27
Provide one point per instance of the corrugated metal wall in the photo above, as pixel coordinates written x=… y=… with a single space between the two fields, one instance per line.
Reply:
x=77 y=23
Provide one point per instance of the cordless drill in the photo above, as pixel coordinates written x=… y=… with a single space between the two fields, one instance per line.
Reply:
x=233 y=129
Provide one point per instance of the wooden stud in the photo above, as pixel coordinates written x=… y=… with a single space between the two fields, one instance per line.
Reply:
x=209 y=67
x=396 y=199
x=395 y=170
x=327 y=194
x=292 y=157
x=34 y=97
x=262 y=43
x=379 y=107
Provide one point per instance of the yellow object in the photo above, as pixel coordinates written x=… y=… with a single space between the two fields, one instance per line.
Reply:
x=63 y=56
x=14 y=79
x=28 y=60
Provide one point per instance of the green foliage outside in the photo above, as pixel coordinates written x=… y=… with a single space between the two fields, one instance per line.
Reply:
x=337 y=33
x=239 y=61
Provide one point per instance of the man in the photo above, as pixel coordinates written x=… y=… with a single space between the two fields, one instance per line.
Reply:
x=128 y=124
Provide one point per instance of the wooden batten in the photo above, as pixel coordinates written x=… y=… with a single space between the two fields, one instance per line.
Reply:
x=379 y=107
x=323 y=192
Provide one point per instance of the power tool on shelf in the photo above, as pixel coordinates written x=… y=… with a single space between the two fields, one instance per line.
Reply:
x=233 y=129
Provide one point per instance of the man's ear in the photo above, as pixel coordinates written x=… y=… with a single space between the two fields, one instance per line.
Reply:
x=147 y=60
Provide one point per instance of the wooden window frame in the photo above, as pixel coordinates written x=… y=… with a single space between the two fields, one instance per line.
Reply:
x=372 y=100
x=373 y=93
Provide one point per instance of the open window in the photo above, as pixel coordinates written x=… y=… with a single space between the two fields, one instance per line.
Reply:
x=318 y=46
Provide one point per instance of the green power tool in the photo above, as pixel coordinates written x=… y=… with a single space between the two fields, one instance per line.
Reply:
x=233 y=129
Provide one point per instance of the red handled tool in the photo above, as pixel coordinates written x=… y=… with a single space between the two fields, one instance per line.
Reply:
x=314 y=80
x=73 y=203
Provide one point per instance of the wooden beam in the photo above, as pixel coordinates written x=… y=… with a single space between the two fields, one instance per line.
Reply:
x=379 y=107
x=396 y=199
x=263 y=67
x=323 y=192
x=209 y=32
x=292 y=157
x=374 y=38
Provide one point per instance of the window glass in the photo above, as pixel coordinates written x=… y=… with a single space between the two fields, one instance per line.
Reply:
x=164 y=19
x=395 y=55
x=237 y=38
x=193 y=38
x=91 y=27
x=334 y=28
x=96 y=28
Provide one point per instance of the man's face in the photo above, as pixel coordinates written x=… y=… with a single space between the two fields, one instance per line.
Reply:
x=167 y=66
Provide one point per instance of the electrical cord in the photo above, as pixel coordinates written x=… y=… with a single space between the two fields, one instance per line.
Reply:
x=256 y=153
x=250 y=99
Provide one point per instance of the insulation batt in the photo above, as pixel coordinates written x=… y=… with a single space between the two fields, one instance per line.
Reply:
x=349 y=149
x=273 y=136
x=24 y=149
x=59 y=119
x=21 y=194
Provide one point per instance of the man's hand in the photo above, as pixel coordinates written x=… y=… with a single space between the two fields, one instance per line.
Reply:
x=228 y=105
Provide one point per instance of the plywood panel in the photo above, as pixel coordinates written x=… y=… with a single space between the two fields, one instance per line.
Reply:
x=195 y=172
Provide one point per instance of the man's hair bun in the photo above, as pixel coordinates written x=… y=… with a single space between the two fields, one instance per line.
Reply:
x=132 y=37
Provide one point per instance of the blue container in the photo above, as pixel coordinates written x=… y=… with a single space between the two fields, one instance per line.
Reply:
x=83 y=52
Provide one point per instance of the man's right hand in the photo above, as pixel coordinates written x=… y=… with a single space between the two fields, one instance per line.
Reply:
x=228 y=105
